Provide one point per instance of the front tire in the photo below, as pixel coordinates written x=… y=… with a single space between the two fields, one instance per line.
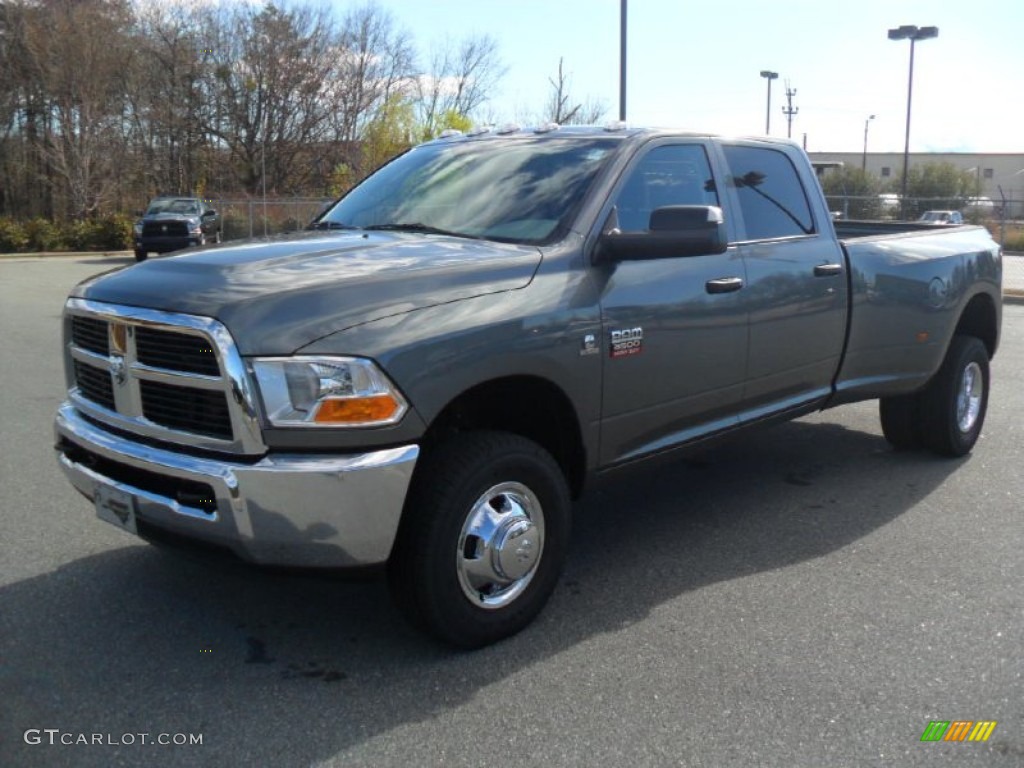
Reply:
x=954 y=403
x=483 y=538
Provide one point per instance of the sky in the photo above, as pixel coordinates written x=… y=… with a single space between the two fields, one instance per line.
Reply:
x=696 y=65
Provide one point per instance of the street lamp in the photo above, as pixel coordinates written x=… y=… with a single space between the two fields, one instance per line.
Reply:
x=769 y=76
x=913 y=34
x=622 y=60
x=864 y=157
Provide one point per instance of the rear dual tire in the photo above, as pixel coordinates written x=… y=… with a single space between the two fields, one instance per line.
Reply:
x=945 y=417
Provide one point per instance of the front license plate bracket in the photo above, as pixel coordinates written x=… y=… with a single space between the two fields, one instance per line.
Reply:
x=116 y=507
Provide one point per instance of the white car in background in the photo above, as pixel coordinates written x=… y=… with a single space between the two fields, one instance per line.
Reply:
x=949 y=218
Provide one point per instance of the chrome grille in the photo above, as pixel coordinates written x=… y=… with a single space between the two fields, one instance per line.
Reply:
x=176 y=351
x=165 y=376
x=202 y=412
x=90 y=333
x=95 y=384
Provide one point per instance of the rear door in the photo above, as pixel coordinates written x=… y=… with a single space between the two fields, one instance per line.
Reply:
x=796 y=282
x=675 y=330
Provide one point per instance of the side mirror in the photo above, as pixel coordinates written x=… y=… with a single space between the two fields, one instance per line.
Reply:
x=673 y=231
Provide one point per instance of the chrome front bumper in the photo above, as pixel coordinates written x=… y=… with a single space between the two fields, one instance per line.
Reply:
x=323 y=511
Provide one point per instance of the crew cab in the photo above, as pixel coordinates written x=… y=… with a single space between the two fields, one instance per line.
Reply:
x=174 y=223
x=426 y=379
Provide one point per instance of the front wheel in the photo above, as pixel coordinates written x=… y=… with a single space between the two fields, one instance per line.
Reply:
x=483 y=538
x=954 y=403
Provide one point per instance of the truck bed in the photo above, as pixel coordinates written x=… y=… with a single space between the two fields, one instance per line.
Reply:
x=853 y=229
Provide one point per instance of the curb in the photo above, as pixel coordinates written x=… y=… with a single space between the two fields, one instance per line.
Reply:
x=63 y=254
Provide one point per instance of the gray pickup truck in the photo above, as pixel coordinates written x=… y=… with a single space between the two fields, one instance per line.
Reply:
x=428 y=377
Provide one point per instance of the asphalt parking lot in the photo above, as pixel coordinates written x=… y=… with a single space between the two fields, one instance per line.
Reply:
x=803 y=596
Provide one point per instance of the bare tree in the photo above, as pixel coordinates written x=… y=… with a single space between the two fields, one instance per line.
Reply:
x=166 y=95
x=560 y=107
x=461 y=79
x=376 y=66
x=266 y=90
x=104 y=102
x=76 y=54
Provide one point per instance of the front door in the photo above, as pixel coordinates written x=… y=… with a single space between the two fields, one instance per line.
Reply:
x=675 y=328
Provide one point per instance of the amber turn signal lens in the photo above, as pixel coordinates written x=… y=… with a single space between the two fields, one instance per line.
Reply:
x=356 y=410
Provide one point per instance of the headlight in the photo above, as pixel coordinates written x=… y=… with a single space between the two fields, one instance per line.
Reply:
x=326 y=392
x=195 y=228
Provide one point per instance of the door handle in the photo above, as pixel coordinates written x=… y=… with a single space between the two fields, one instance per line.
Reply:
x=724 y=285
x=828 y=270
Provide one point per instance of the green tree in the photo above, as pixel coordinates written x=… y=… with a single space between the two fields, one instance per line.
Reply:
x=391 y=131
x=853 y=192
x=940 y=186
x=450 y=120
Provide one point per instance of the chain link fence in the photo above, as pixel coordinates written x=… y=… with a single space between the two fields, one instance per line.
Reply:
x=258 y=217
x=1003 y=218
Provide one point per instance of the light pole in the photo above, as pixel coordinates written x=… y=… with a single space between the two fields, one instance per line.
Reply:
x=769 y=76
x=913 y=34
x=864 y=157
x=622 y=60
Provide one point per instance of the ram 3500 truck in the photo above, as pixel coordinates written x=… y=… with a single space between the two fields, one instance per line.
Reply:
x=428 y=377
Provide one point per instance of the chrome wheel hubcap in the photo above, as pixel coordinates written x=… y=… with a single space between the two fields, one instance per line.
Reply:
x=500 y=545
x=968 y=398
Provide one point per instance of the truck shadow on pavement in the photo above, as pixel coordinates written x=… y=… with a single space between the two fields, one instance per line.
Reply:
x=294 y=670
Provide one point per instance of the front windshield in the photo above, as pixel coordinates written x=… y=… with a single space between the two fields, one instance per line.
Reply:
x=173 y=206
x=512 y=190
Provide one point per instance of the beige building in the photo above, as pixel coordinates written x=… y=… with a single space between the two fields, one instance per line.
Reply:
x=1000 y=176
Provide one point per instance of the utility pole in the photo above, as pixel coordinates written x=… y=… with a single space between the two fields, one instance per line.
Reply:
x=789 y=110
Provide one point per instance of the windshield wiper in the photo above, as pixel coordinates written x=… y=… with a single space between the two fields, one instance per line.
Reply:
x=417 y=227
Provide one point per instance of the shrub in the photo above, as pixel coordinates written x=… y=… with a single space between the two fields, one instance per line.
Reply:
x=234 y=226
x=1014 y=240
x=78 y=234
x=43 y=235
x=12 y=236
x=113 y=232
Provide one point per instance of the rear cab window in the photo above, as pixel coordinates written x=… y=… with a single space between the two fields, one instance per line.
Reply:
x=772 y=200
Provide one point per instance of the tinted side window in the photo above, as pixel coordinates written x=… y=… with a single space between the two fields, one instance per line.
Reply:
x=670 y=175
x=771 y=196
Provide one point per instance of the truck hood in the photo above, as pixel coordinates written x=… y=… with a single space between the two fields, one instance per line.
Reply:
x=280 y=294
